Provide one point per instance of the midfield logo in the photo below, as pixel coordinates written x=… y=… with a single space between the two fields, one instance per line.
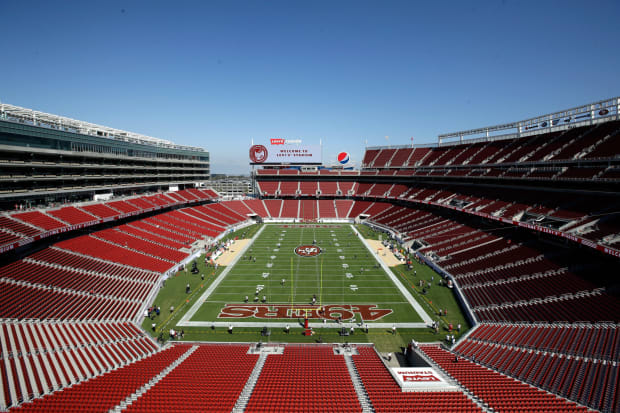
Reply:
x=308 y=250
x=367 y=312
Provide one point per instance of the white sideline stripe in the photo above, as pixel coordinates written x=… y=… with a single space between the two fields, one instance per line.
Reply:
x=288 y=303
x=417 y=307
x=294 y=323
x=185 y=319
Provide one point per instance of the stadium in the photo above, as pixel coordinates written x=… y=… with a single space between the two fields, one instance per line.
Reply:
x=476 y=274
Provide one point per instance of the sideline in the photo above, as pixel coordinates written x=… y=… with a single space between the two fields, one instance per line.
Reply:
x=190 y=313
x=414 y=303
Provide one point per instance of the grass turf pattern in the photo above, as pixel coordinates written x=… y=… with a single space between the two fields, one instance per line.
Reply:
x=359 y=288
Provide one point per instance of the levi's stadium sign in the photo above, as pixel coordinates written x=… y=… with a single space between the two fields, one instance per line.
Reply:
x=281 y=151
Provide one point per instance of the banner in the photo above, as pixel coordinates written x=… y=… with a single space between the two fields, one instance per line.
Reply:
x=419 y=378
x=276 y=152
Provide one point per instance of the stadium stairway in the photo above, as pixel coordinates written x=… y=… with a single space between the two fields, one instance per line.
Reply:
x=246 y=393
x=152 y=382
x=498 y=391
x=362 y=394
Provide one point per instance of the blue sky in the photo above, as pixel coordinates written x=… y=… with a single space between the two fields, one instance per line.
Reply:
x=218 y=73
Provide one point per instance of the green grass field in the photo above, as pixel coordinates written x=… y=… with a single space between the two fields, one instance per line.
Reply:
x=344 y=274
x=374 y=288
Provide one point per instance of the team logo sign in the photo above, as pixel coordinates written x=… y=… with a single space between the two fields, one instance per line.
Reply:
x=343 y=157
x=368 y=312
x=308 y=250
x=258 y=153
x=419 y=377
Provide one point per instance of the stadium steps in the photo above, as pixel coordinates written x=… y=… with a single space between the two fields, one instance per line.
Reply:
x=203 y=217
x=144 y=239
x=421 y=160
x=42 y=364
x=547 y=299
x=389 y=161
x=568 y=143
x=233 y=212
x=474 y=246
x=8 y=370
x=67 y=361
x=20 y=374
x=131 y=249
x=56 y=360
x=246 y=393
x=153 y=381
x=281 y=208
x=88 y=362
x=362 y=394
x=482 y=257
x=32 y=364
x=72 y=290
x=100 y=272
x=450 y=379
x=102 y=351
x=591 y=148
x=24 y=222
x=152 y=233
x=90 y=272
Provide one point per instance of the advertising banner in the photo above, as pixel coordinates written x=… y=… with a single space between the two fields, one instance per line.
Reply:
x=278 y=151
x=419 y=378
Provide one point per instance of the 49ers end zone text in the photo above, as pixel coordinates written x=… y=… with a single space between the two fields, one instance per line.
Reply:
x=368 y=312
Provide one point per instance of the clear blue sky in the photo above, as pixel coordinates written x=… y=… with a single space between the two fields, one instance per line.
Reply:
x=219 y=73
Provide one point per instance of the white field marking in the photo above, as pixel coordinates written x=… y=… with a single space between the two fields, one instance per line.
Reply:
x=325 y=304
x=190 y=313
x=417 y=307
x=291 y=322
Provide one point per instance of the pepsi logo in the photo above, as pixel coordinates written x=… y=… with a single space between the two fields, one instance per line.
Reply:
x=343 y=157
x=258 y=153
x=308 y=250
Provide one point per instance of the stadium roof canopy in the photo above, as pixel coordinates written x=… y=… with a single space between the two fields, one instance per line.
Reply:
x=42 y=119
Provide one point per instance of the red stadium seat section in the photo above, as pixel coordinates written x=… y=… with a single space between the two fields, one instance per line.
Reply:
x=107 y=391
x=40 y=358
x=209 y=380
x=499 y=392
x=39 y=220
x=304 y=378
x=574 y=361
x=20 y=228
x=386 y=396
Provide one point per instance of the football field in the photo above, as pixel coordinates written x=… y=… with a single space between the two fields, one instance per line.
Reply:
x=325 y=272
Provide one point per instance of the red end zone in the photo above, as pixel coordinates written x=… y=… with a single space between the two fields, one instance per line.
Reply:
x=368 y=312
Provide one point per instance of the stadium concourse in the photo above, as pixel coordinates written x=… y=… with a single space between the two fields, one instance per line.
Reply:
x=525 y=226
